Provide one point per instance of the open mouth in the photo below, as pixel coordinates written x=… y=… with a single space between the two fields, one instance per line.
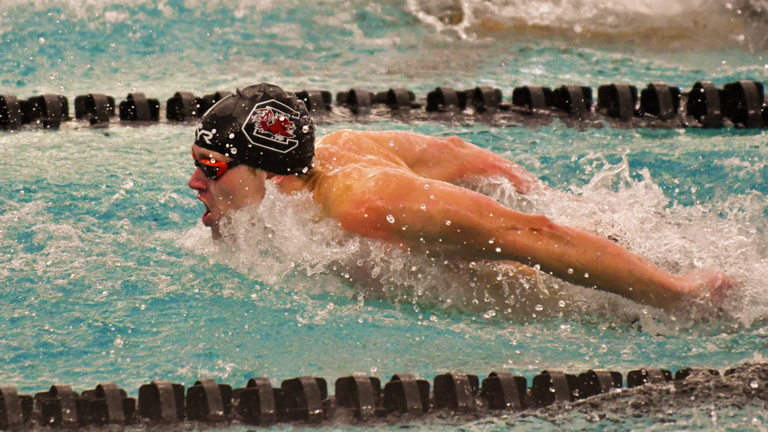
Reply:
x=206 y=213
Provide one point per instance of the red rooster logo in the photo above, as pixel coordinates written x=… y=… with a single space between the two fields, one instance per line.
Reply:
x=279 y=126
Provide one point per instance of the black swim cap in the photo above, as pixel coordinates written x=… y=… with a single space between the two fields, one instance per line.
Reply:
x=261 y=126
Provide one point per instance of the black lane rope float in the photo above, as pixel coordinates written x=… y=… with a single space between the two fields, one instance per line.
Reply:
x=740 y=104
x=305 y=400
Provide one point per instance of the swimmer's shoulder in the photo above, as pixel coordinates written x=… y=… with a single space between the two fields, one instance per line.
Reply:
x=343 y=138
x=346 y=147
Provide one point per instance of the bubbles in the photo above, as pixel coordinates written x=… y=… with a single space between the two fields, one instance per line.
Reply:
x=231 y=135
x=233 y=150
x=390 y=219
x=754 y=384
x=448 y=223
x=305 y=129
x=423 y=206
x=41 y=41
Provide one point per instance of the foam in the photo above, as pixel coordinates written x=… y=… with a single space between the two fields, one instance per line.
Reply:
x=624 y=20
x=284 y=242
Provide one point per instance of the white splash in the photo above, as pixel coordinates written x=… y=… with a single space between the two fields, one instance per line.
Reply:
x=284 y=242
x=728 y=235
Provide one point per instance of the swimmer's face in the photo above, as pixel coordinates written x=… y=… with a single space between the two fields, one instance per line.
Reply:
x=239 y=187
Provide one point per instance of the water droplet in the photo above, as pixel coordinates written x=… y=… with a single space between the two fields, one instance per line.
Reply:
x=490 y=241
x=53 y=76
x=405 y=227
x=570 y=271
x=390 y=218
x=120 y=82
x=561 y=303
x=231 y=135
x=490 y=314
x=426 y=186
x=41 y=40
x=498 y=249
x=305 y=129
x=552 y=389
x=447 y=222
x=754 y=384
x=304 y=171
x=539 y=307
x=423 y=206
x=586 y=275
x=61 y=88
x=391 y=143
x=234 y=150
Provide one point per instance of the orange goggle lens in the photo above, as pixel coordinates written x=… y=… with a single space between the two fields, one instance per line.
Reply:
x=214 y=170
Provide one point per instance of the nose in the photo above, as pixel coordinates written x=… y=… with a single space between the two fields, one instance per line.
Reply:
x=198 y=180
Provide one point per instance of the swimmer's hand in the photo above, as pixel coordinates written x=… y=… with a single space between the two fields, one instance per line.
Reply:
x=707 y=285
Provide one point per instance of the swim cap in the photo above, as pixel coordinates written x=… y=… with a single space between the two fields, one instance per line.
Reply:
x=261 y=126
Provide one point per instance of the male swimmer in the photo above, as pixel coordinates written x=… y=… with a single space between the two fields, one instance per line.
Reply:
x=374 y=183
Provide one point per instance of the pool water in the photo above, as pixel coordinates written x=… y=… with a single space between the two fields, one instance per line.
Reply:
x=109 y=275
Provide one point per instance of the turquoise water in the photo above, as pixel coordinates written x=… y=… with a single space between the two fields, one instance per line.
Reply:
x=109 y=275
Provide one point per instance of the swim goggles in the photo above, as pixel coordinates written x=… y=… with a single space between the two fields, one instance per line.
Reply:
x=214 y=170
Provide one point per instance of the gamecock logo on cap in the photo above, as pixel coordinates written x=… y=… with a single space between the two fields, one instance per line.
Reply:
x=271 y=124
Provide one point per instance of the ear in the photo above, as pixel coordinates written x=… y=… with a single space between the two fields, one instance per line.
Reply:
x=276 y=179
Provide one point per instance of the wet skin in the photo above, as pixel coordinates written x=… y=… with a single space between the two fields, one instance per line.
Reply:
x=237 y=188
x=375 y=183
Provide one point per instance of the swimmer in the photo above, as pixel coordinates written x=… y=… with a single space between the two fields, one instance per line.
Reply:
x=374 y=183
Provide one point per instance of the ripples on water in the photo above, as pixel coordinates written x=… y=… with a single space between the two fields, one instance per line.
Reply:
x=108 y=274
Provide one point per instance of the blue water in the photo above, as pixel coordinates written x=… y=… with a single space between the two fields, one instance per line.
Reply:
x=108 y=274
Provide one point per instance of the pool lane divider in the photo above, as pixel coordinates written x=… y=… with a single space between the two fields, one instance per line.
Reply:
x=305 y=400
x=740 y=104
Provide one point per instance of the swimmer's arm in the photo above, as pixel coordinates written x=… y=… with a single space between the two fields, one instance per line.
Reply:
x=394 y=206
x=451 y=159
